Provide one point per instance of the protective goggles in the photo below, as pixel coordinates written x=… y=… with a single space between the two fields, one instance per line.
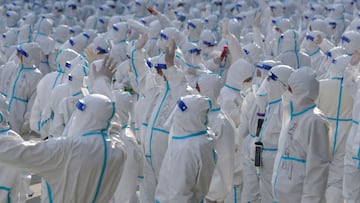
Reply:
x=345 y=39
x=264 y=66
x=22 y=51
x=115 y=28
x=164 y=36
x=209 y=44
x=86 y=35
x=192 y=25
x=195 y=50
x=309 y=37
x=101 y=50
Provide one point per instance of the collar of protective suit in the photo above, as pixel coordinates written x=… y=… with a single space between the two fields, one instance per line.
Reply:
x=93 y=114
x=190 y=115
x=305 y=89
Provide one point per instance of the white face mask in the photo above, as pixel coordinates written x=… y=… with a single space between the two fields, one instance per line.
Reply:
x=196 y=59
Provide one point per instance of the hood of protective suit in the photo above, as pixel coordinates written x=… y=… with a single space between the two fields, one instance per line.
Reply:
x=276 y=8
x=277 y=81
x=239 y=71
x=61 y=33
x=338 y=66
x=123 y=102
x=154 y=29
x=304 y=87
x=4 y=114
x=253 y=52
x=44 y=26
x=234 y=27
x=76 y=75
x=195 y=27
x=25 y=34
x=30 y=53
x=29 y=19
x=76 y=29
x=63 y=56
x=309 y=45
x=71 y=8
x=351 y=41
x=12 y=18
x=288 y=41
x=262 y=69
x=192 y=53
x=282 y=24
x=207 y=42
x=166 y=34
x=319 y=25
x=190 y=115
x=100 y=45
x=210 y=86
x=93 y=114
x=80 y=41
x=211 y=22
x=118 y=32
x=354 y=25
x=102 y=22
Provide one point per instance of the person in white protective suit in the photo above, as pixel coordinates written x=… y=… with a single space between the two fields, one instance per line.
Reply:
x=337 y=107
x=80 y=41
x=326 y=63
x=302 y=162
x=70 y=14
x=118 y=35
x=25 y=34
x=47 y=44
x=238 y=84
x=15 y=183
x=152 y=46
x=251 y=112
x=12 y=19
x=337 y=21
x=313 y=50
x=214 y=60
x=38 y=121
x=212 y=24
x=171 y=84
x=64 y=96
x=288 y=48
x=275 y=85
x=194 y=27
x=279 y=26
x=22 y=80
x=352 y=156
x=222 y=180
x=61 y=35
x=190 y=158
x=8 y=45
x=238 y=81
x=193 y=65
x=85 y=166
x=132 y=174
x=101 y=45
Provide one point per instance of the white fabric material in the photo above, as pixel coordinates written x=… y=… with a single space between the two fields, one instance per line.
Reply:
x=61 y=34
x=25 y=34
x=80 y=41
x=289 y=54
x=230 y=98
x=337 y=107
x=38 y=120
x=222 y=179
x=22 y=88
x=193 y=155
x=270 y=130
x=132 y=174
x=76 y=158
x=244 y=140
x=302 y=162
x=118 y=36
